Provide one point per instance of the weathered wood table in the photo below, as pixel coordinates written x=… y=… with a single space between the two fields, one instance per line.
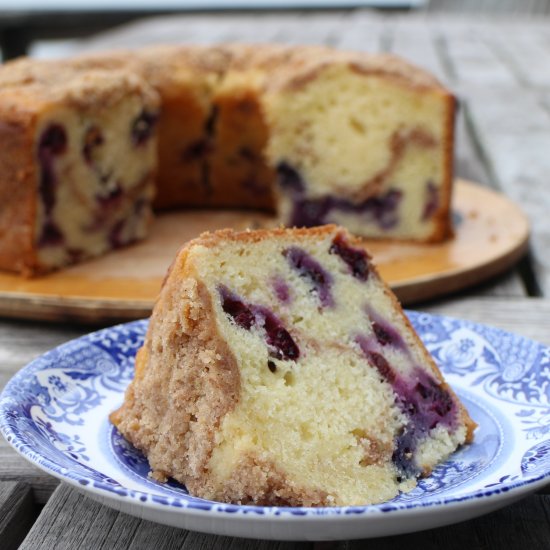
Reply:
x=499 y=69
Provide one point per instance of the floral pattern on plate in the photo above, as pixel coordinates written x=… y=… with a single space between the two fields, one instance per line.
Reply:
x=55 y=413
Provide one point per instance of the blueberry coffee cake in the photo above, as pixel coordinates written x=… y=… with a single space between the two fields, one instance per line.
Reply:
x=313 y=134
x=278 y=369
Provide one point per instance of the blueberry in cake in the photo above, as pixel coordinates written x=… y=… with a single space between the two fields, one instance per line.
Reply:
x=278 y=369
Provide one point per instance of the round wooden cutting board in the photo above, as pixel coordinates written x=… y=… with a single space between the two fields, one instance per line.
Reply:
x=491 y=235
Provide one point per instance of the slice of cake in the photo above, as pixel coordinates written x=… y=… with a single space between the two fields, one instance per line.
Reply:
x=365 y=141
x=78 y=164
x=278 y=369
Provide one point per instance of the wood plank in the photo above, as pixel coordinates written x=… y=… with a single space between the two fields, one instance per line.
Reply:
x=511 y=128
x=17 y=513
x=476 y=64
x=529 y=317
x=418 y=44
x=527 y=55
x=363 y=32
x=422 y=46
x=65 y=523
x=515 y=133
x=22 y=341
x=71 y=520
x=312 y=28
x=14 y=468
x=148 y=533
x=188 y=29
x=295 y=27
x=517 y=527
x=476 y=7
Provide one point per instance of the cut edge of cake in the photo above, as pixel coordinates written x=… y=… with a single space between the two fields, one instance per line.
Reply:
x=400 y=188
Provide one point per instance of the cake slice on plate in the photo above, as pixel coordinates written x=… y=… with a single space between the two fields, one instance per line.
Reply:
x=278 y=369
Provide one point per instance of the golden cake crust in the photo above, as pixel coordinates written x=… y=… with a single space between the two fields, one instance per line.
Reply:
x=17 y=191
x=297 y=68
x=212 y=367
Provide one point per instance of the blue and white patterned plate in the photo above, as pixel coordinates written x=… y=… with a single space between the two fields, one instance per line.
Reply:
x=54 y=412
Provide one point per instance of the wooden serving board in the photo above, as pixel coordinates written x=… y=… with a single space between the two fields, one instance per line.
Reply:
x=491 y=235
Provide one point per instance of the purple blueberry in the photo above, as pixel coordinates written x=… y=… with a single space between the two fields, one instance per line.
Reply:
x=425 y=401
x=356 y=259
x=53 y=141
x=289 y=179
x=432 y=201
x=382 y=366
x=51 y=235
x=279 y=341
x=281 y=289
x=438 y=399
x=421 y=398
x=143 y=127
x=383 y=336
x=311 y=269
x=384 y=333
x=384 y=208
x=278 y=338
x=403 y=454
x=237 y=309
x=47 y=187
x=92 y=140
x=311 y=212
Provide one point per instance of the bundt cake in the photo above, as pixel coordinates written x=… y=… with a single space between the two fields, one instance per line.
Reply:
x=278 y=369
x=316 y=135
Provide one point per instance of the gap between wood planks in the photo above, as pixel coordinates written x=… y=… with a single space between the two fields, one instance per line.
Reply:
x=70 y=520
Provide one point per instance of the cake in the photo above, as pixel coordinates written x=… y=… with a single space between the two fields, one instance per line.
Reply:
x=312 y=134
x=278 y=369
x=78 y=165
